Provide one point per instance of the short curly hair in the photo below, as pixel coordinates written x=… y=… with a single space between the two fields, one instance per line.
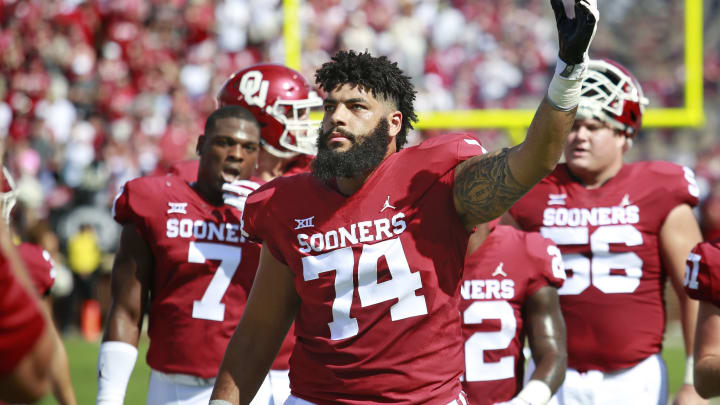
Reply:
x=377 y=74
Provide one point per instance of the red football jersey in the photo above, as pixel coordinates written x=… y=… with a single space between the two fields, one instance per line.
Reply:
x=508 y=268
x=377 y=273
x=40 y=266
x=203 y=272
x=298 y=164
x=21 y=322
x=702 y=274
x=612 y=299
x=186 y=170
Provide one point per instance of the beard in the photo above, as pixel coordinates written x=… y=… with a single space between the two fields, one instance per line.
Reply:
x=362 y=157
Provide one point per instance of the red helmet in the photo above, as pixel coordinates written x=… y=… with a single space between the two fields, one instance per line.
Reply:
x=611 y=94
x=8 y=194
x=280 y=98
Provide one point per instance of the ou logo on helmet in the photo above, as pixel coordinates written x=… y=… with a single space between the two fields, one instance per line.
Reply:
x=254 y=89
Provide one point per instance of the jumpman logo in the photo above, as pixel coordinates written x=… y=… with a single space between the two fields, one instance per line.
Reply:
x=387 y=205
x=499 y=271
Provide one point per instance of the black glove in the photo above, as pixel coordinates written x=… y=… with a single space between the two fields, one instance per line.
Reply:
x=575 y=34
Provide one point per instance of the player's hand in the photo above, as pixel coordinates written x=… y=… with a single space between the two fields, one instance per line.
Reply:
x=237 y=192
x=688 y=396
x=575 y=34
x=514 y=401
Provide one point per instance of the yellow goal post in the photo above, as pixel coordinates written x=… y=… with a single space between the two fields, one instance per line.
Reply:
x=515 y=121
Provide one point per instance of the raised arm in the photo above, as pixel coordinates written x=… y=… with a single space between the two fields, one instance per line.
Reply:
x=270 y=311
x=485 y=186
x=130 y=283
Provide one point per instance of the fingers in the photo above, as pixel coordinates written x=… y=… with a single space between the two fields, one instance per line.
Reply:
x=235 y=200
x=559 y=10
x=586 y=11
x=243 y=187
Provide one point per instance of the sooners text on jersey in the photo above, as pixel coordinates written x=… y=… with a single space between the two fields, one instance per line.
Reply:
x=203 y=272
x=702 y=273
x=508 y=268
x=612 y=299
x=377 y=273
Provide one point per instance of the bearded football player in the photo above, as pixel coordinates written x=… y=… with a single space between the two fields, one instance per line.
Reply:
x=702 y=282
x=365 y=255
x=508 y=291
x=623 y=228
x=183 y=261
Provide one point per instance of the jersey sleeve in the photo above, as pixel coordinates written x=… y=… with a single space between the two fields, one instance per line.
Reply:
x=40 y=265
x=135 y=204
x=453 y=148
x=21 y=322
x=678 y=184
x=546 y=260
x=702 y=272
x=258 y=221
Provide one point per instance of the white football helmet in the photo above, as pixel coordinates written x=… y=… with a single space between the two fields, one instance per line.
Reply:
x=611 y=94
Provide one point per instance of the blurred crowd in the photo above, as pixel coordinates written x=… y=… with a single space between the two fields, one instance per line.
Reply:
x=96 y=92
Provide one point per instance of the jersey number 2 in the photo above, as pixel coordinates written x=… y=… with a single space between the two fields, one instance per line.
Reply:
x=209 y=307
x=401 y=286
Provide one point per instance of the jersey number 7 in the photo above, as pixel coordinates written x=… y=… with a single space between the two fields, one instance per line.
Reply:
x=209 y=307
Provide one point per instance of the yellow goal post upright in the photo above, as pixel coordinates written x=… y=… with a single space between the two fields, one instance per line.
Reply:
x=515 y=122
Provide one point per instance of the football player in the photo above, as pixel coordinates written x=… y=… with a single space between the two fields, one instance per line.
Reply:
x=183 y=261
x=40 y=268
x=27 y=345
x=702 y=282
x=366 y=253
x=623 y=229
x=280 y=99
x=509 y=290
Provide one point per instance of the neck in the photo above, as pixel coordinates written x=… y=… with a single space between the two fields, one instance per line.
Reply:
x=214 y=197
x=269 y=166
x=595 y=179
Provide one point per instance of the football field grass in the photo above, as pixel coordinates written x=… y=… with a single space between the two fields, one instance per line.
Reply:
x=83 y=359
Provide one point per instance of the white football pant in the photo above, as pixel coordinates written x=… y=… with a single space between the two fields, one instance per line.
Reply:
x=182 y=389
x=274 y=390
x=646 y=383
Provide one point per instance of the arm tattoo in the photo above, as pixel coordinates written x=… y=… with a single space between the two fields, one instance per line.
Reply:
x=485 y=188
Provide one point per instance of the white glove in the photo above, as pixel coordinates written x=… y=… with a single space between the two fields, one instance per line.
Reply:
x=237 y=192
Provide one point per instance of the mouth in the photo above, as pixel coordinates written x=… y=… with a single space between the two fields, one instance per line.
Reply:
x=230 y=174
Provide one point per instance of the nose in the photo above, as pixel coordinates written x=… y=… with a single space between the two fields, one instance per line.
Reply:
x=236 y=152
x=337 y=117
x=582 y=133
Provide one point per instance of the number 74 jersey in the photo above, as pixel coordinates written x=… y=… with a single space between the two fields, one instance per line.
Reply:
x=376 y=273
x=203 y=271
x=612 y=299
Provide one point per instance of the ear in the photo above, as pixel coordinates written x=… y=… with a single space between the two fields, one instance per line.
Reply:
x=200 y=143
x=395 y=121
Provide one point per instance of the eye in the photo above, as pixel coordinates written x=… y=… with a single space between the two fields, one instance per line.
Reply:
x=328 y=108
